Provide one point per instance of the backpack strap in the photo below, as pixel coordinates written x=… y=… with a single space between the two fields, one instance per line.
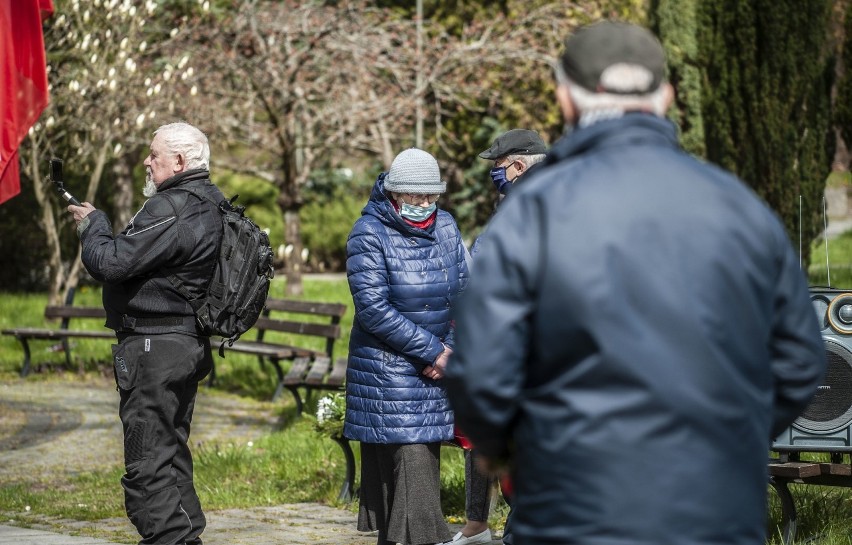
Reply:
x=197 y=304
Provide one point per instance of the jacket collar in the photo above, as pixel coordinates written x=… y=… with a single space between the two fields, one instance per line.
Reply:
x=184 y=177
x=630 y=128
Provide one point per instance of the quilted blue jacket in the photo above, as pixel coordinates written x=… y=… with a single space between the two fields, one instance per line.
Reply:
x=403 y=282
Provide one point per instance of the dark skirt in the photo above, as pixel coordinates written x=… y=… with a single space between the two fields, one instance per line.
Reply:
x=401 y=494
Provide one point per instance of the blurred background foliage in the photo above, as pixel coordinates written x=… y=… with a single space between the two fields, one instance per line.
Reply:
x=258 y=196
x=304 y=110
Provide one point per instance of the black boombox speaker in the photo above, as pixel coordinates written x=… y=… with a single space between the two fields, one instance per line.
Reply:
x=826 y=424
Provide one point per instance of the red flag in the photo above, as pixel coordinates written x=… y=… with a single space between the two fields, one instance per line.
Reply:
x=23 y=82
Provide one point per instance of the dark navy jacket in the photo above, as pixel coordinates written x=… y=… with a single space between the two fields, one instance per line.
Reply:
x=404 y=281
x=638 y=330
x=175 y=233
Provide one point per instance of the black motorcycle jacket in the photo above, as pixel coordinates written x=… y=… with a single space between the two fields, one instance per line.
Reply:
x=174 y=233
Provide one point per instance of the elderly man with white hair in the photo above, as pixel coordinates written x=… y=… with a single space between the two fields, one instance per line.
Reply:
x=639 y=328
x=170 y=247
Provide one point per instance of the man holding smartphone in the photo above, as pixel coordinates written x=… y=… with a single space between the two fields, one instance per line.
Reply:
x=160 y=356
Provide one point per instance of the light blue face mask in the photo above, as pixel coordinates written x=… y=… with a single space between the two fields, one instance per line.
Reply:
x=416 y=213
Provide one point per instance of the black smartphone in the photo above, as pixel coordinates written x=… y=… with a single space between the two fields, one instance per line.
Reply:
x=57 y=178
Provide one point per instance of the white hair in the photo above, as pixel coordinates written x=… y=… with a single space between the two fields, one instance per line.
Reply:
x=183 y=139
x=528 y=159
x=621 y=76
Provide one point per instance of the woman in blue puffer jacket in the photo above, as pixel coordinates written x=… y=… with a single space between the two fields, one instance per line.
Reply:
x=406 y=265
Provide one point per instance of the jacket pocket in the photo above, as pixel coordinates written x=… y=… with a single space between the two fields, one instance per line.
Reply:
x=125 y=364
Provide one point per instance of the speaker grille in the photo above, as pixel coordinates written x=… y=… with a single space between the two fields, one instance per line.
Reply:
x=831 y=407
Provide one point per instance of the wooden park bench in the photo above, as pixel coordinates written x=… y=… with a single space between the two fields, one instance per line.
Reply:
x=788 y=469
x=65 y=313
x=310 y=369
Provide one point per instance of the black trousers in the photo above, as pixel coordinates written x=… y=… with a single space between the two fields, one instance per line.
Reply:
x=477 y=487
x=157 y=377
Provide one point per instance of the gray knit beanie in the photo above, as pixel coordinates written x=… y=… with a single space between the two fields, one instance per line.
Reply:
x=415 y=171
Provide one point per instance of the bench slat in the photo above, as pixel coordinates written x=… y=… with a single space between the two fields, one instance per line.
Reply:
x=74 y=312
x=307 y=307
x=34 y=333
x=318 y=370
x=328 y=331
x=795 y=470
x=338 y=373
x=279 y=351
x=297 y=371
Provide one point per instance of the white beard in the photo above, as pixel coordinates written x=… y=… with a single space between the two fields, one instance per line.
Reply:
x=150 y=188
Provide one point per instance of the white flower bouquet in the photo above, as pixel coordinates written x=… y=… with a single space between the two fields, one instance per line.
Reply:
x=331 y=410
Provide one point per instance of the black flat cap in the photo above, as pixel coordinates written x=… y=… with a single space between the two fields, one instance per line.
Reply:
x=515 y=142
x=594 y=53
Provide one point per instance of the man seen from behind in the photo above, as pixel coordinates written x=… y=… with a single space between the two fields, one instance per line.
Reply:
x=638 y=329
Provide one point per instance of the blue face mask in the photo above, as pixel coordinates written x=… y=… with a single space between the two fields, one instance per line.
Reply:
x=416 y=213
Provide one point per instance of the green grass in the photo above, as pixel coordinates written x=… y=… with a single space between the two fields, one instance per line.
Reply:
x=292 y=465
x=824 y=513
x=839 y=265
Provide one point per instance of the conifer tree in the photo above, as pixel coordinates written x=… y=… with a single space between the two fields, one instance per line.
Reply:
x=843 y=103
x=766 y=101
x=675 y=22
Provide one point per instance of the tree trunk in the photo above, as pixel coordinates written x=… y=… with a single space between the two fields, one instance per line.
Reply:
x=73 y=278
x=293 y=263
x=123 y=197
x=48 y=223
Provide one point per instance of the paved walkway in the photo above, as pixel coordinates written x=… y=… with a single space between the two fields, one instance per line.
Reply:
x=297 y=524
x=47 y=428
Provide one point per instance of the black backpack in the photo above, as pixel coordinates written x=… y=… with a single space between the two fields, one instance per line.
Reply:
x=237 y=292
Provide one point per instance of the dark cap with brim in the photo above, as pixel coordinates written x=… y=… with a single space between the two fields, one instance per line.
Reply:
x=594 y=53
x=515 y=142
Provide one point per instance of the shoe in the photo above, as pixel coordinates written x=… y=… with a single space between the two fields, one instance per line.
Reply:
x=460 y=539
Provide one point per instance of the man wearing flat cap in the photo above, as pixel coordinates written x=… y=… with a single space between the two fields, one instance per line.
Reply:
x=514 y=152
x=639 y=329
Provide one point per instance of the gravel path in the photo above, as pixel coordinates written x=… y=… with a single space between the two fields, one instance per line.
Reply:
x=68 y=427
x=61 y=427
